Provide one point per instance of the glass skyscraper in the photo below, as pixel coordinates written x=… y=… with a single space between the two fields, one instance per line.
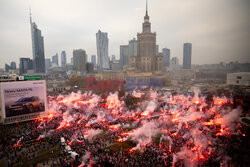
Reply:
x=37 y=48
x=63 y=59
x=187 y=53
x=102 y=43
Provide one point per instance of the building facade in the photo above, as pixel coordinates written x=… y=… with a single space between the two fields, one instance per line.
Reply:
x=37 y=48
x=132 y=48
x=102 y=42
x=79 y=60
x=124 y=55
x=174 y=64
x=55 y=59
x=63 y=59
x=240 y=78
x=166 y=58
x=93 y=60
x=187 y=53
x=13 y=65
x=25 y=65
x=48 y=63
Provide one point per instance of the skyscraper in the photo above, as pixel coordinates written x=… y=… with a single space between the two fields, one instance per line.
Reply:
x=102 y=42
x=132 y=48
x=63 y=59
x=93 y=60
x=25 y=65
x=13 y=65
x=174 y=63
x=166 y=58
x=79 y=60
x=48 y=63
x=55 y=59
x=37 y=48
x=124 y=59
x=146 y=60
x=7 y=67
x=187 y=52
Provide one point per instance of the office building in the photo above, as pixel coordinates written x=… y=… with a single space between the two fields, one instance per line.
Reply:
x=63 y=59
x=37 y=48
x=55 y=59
x=124 y=55
x=102 y=43
x=48 y=63
x=166 y=58
x=174 y=64
x=89 y=67
x=187 y=54
x=13 y=65
x=79 y=60
x=132 y=48
x=25 y=65
x=93 y=60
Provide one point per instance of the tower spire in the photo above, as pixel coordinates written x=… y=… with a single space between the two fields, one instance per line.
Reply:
x=146 y=17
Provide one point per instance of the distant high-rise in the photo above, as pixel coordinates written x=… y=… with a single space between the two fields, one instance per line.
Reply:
x=132 y=48
x=174 y=64
x=25 y=65
x=166 y=58
x=89 y=67
x=124 y=55
x=7 y=67
x=93 y=60
x=37 y=48
x=48 y=63
x=13 y=65
x=79 y=60
x=102 y=43
x=187 y=53
x=63 y=59
x=55 y=59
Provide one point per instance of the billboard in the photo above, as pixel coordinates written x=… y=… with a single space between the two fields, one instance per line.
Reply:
x=23 y=98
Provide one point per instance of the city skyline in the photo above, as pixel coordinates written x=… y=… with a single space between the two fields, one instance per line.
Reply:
x=213 y=34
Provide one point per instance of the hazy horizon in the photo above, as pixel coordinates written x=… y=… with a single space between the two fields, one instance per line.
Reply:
x=218 y=30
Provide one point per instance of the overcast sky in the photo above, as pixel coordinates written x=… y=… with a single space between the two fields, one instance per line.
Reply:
x=219 y=30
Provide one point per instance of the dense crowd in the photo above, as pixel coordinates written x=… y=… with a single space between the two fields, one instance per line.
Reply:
x=39 y=143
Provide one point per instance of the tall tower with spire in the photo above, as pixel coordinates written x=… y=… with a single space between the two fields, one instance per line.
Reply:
x=37 y=48
x=146 y=60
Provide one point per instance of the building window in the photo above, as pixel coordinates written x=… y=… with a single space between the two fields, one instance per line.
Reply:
x=239 y=77
x=237 y=81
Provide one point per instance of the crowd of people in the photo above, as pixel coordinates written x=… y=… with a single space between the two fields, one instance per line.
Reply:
x=38 y=143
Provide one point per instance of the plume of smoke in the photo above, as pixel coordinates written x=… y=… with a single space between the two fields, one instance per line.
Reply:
x=92 y=133
x=150 y=108
x=145 y=133
x=190 y=158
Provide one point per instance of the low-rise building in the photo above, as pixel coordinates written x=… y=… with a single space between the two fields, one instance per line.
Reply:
x=241 y=78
